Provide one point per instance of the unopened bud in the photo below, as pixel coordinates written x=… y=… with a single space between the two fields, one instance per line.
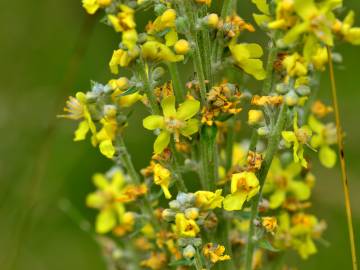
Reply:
x=255 y=117
x=212 y=20
x=189 y=252
x=192 y=213
x=182 y=47
x=291 y=98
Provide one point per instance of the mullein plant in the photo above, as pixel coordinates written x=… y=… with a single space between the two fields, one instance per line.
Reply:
x=246 y=202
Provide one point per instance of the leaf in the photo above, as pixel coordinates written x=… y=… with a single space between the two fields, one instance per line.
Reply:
x=129 y=91
x=181 y=262
x=265 y=244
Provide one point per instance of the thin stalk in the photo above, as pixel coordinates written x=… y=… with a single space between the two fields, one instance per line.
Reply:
x=187 y=8
x=230 y=144
x=176 y=172
x=270 y=153
x=197 y=260
x=208 y=154
x=148 y=91
x=340 y=141
x=206 y=46
x=179 y=89
x=218 y=47
x=126 y=161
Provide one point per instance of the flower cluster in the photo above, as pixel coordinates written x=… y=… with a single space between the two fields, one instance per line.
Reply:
x=212 y=194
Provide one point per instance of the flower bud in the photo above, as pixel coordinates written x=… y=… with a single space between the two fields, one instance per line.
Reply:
x=175 y=205
x=263 y=131
x=158 y=73
x=192 y=213
x=255 y=117
x=291 y=98
x=159 y=9
x=182 y=47
x=303 y=90
x=282 y=88
x=189 y=252
x=110 y=110
x=168 y=214
x=168 y=16
x=269 y=223
x=212 y=20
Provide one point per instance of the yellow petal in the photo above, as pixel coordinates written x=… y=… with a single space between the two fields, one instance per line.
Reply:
x=300 y=190
x=153 y=122
x=234 y=201
x=105 y=221
x=161 y=142
x=327 y=156
x=188 y=109
x=81 y=131
x=305 y=8
x=107 y=148
x=262 y=6
x=289 y=136
x=192 y=126
x=168 y=106
x=277 y=199
x=100 y=181
x=171 y=38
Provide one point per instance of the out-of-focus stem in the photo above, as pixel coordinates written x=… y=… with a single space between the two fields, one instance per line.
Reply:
x=269 y=155
x=339 y=135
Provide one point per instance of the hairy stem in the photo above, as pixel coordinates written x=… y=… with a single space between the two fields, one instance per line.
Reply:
x=176 y=172
x=148 y=90
x=179 y=90
x=270 y=153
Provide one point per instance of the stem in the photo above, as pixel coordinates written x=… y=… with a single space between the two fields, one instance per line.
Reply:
x=187 y=8
x=208 y=154
x=198 y=263
x=176 y=173
x=339 y=135
x=206 y=46
x=148 y=91
x=230 y=144
x=179 y=90
x=126 y=161
x=270 y=152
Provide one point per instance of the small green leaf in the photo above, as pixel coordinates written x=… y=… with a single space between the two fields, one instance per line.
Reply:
x=265 y=244
x=129 y=91
x=183 y=262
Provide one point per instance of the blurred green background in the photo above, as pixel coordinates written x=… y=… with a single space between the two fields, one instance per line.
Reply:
x=40 y=165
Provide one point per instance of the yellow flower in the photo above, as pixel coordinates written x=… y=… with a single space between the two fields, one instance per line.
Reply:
x=122 y=58
x=119 y=86
x=173 y=122
x=91 y=6
x=124 y=20
x=77 y=108
x=324 y=136
x=156 y=51
x=107 y=133
x=166 y=20
x=156 y=261
x=281 y=184
x=269 y=223
x=244 y=186
x=345 y=30
x=298 y=232
x=208 y=200
x=162 y=177
x=215 y=253
x=295 y=65
x=185 y=227
x=298 y=137
x=126 y=225
x=111 y=211
x=246 y=57
x=315 y=18
x=206 y=2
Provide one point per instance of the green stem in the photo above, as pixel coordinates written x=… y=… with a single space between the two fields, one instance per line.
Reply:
x=148 y=90
x=179 y=89
x=187 y=8
x=197 y=260
x=270 y=153
x=230 y=144
x=176 y=171
x=206 y=49
x=208 y=154
x=126 y=161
